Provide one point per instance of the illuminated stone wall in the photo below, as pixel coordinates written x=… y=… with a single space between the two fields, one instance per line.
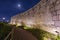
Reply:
x=44 y=15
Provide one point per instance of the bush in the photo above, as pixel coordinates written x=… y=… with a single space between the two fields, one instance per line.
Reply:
x=40 y=34
x=4 y=30
x=36 y=33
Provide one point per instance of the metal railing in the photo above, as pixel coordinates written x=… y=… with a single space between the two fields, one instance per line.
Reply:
x=10 y=35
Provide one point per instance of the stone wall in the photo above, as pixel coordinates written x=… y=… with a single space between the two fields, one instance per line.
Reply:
x=45 y=15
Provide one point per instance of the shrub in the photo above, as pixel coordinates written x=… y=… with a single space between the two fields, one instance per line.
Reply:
x=4 y=30
x=40 y=34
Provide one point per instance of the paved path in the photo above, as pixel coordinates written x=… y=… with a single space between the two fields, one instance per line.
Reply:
x=20 y=34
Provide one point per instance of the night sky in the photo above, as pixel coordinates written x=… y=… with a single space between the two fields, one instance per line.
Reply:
x=8 y=8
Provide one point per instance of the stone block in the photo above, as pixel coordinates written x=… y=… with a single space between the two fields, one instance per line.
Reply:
x=58 y=12
x=58 y=1
x=55 y=18
x=57 y=23
x=59 y=17
x=57 y=6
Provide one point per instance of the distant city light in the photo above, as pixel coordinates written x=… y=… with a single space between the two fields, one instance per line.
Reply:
x=3 y=18
x=7 y=20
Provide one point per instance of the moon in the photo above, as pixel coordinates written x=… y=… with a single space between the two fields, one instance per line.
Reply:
x=19 y=5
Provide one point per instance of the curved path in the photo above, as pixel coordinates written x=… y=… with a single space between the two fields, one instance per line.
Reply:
x=20 y=34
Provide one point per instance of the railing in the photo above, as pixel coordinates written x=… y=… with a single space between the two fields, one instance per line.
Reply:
x=10 y=35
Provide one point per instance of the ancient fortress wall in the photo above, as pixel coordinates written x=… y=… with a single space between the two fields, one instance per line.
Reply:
x=45 y=15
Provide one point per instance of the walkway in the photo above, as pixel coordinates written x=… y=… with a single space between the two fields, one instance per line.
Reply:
x=20 y=34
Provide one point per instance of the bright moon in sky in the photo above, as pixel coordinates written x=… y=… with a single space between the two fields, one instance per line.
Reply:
x=19 y=5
